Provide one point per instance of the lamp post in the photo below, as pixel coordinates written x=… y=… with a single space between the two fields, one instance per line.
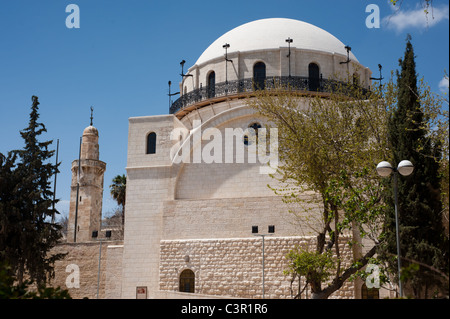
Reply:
x=271 y=230
x=381 y=77
x=95 y=235
x=182 y=70
x=385 y=169
x=289 y=41
x=348 y=49
x=226 y=46
x=171 y=94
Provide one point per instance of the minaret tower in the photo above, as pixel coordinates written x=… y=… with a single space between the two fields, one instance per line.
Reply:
x=85 y=210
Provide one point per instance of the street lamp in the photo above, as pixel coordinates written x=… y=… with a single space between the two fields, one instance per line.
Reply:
x=171 y=94
x=385 y=169
x=271 y=230
x=289 y=41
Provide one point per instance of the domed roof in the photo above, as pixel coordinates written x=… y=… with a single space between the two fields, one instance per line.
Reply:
x=90 y=130
x=272 y=34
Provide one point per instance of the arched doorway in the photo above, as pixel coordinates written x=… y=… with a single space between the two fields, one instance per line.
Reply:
x=211 y=85
x=187 y=281
x=314 y=77
x=259 y=76
x=367 y=293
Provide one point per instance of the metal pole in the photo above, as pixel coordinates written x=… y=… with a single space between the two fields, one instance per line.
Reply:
x=263 y=235
x=226 y=46
x=226 y=70
x=54 y=185
x=397 y=234
x=289 y=60
x=289 y=40
x=170 y=104
x=263 y=266
x=78 y=190
x=99 y=261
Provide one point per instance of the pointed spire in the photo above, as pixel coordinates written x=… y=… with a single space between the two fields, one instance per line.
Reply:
x=92 y=111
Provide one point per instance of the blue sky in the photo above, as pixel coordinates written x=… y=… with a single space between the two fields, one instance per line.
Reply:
x=120 y=60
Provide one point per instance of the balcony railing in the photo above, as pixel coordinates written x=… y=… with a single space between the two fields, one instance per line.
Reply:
x=297 y=83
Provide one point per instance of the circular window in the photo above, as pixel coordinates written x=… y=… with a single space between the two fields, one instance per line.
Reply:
x=251 y=133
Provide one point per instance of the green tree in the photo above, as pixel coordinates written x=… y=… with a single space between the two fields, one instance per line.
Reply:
x=118 y=192
x=27 y=235
x=11 y=289
x=329 y=145
x=422 y=236
x=435 y=108
x=9 y=210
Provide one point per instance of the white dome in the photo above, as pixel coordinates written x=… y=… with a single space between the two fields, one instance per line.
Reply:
x=272 y=34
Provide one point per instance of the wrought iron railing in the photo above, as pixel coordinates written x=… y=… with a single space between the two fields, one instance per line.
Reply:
x=297 y=83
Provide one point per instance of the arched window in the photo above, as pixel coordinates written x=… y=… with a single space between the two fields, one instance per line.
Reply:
x=314 y=77
x=187 y=281
x=259 y=76
x=211 y=89
x=151 y=143
x=367 y=293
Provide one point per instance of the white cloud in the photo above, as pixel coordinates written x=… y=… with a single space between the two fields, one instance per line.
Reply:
x=443 y=84
x=407 y=19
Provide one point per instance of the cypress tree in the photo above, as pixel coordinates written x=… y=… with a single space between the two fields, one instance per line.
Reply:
x=27 y=234
x=422 y=240
x=9 y=210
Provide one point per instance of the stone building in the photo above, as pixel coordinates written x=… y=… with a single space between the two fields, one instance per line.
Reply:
x=191 y=217
x=87 y=187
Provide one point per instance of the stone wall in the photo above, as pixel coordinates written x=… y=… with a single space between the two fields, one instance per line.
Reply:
x=233 y=218
x=233 y=267
x=85 y=257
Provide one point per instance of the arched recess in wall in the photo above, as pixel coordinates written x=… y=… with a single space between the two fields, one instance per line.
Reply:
x=183 y=184
x=313 y=77
x=211 y=87
x=259 y=76
x=187 y=281
x=151 y=143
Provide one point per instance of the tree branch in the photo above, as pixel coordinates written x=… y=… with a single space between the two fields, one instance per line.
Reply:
x=338 y=282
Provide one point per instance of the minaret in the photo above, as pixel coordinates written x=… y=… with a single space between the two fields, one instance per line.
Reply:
x=87 y=213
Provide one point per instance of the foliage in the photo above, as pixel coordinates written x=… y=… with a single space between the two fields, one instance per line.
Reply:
x=426 y=4
x=313 y=266
x=10 y=289
x=118 y=192
x=435 y=109
x=359 y=201
x=330 y=145
x=411 y=137
x=118 y=189
x=26 y=235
